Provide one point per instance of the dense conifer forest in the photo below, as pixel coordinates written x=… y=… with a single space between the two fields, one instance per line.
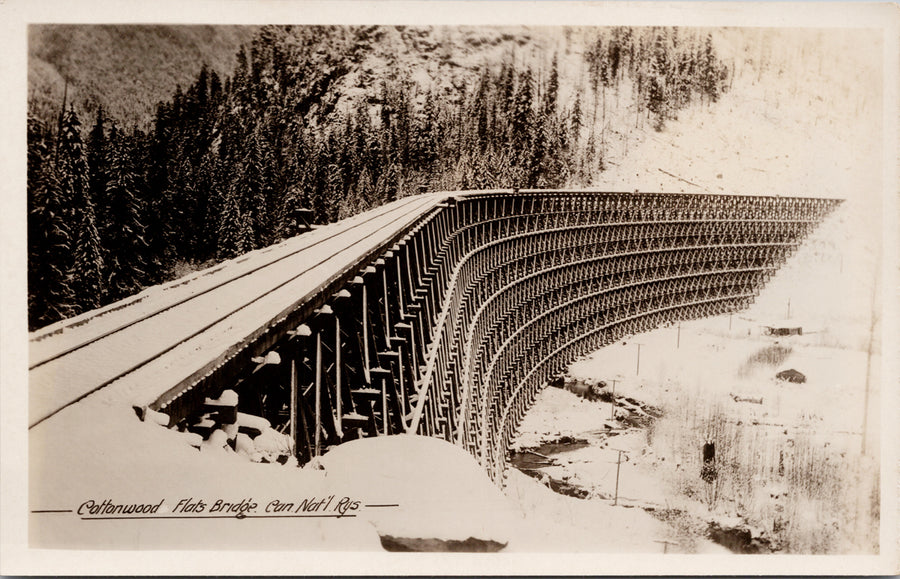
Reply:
x=114 y=208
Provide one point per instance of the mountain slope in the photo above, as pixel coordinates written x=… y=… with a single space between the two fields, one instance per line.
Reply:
x=125 y=68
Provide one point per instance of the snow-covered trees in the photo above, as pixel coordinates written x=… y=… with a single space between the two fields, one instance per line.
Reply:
x=50 y=296
x=226 y=162
x=667 y=69
x=86 y=266
x=123 y=233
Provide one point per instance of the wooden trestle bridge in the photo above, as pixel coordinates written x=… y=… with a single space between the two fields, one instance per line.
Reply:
x=439 y=314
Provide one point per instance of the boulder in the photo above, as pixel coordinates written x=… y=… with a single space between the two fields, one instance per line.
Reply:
x=791 y=375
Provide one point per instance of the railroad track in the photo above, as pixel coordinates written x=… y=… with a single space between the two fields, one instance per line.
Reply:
x=89 y=353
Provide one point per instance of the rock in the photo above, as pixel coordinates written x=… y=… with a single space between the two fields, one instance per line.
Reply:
x=792 y=376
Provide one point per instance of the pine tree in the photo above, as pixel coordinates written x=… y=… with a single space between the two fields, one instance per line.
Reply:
x=424 y=135
x=97 y=164
x=50 y=297
x=258 y=190
x=98 y=157
x=550 y=145
x=239 y=84
x=522 y=138
x=506 y=103
x=202 y=91
x=126 y=257
x=87 y=265
x=710 y=71
x=479 y=110
x=209 y=181
x=575 y=121
x=157 y=158
x=552 y=93
x=596 y=64
x=614 y=56
x=215 y=89
x=657 y=91
x=235 y=228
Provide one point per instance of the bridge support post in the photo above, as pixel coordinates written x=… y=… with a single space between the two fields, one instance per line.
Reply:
x=337 y=376
x=318 y=412
x=299 y=355
x=294 y=409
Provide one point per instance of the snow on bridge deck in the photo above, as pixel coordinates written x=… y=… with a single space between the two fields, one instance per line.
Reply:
x=195 y=320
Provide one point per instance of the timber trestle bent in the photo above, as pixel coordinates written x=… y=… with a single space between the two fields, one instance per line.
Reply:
x=452 y=323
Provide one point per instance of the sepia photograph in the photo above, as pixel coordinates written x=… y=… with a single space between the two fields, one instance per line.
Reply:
x=386 y=287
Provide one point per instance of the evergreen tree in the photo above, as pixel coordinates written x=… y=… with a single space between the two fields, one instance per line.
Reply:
x=550 y=144
x=596 y=64
x=258 y=190
x=209 y=181
x=657 y=93
x=575 y=122
x=235 y=227
x=710 y=71
x=126 y=259
x=614 y=57
x=479 y=110
x=424 y=135
x=522 y=138
x=50 y=297
x=552 y=93
x=85 y=272
x=97 y=164
x=157 y=158
x=215 y=90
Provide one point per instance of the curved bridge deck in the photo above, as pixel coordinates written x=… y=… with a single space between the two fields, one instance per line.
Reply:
x=442 y=314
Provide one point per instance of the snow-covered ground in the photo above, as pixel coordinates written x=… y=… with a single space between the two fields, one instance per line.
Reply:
x=400 y=486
